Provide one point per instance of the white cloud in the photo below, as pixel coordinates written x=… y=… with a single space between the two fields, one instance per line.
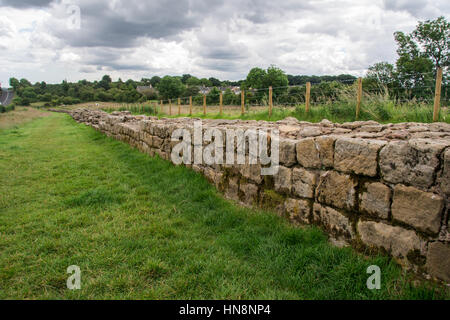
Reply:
x=208 y=38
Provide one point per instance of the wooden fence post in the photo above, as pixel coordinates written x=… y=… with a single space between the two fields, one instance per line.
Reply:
x=270 y=100
x=204 y=104
x=221 y=103
x=190 y=105
x=437 y=95
x=170 y=107
x=179 y=106
x=359 y=98
x=242 y=102
x=308 y=97
x=161 y=106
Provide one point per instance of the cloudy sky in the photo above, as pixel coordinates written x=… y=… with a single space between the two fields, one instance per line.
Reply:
x=45 y=40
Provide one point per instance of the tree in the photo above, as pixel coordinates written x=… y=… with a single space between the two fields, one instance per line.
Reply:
x=213 y=96
x=170 y=87
x=185 y=78
x=255 y=78
x=434 y=37
x=381 y=72
x=193 y=81
x=413 y=66
x=105 y=83
x=155 y=80
x=215 y=82
x=14 y=83
x=276 y=78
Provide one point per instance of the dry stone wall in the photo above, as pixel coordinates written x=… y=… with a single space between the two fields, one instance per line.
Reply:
x=379 y=186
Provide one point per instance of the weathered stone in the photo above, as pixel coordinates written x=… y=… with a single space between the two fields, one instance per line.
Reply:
x=157 y=142
x=298 y=210
x=334 y=221
x=357 y=156
x=316 y=152
x=310 y=132
x=251 y=172
x=376 y=200
x=303 y=182
x=412 y=162
x=445 y=177
x=282 y=179
x=397 y=241
x=232 y=190
x=288 y=154
x=250 y=192
x=337 y=190
x=438 y=260
x=422 y=210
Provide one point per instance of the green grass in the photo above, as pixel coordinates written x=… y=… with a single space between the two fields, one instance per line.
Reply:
x=338 y=112
x=141 y=228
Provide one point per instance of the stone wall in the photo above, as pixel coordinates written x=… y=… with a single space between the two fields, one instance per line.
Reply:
x=379 y=187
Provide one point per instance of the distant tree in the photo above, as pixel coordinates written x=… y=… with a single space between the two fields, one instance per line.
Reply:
x=229 y=97
x=191 y=91
x=255 y=78
x=185 y=78
x=215 y=82
x=205 y=82
x=14 y=83
x=276 y=78
x=170 y=87
x=155 y=80
x=105 y=83
x=213 y=96
x=382 y=72
x=193 y=81
x=25 y=83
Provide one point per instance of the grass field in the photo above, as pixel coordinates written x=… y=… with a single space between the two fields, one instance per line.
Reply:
x=380 y=111
x=19 y=116
x=140 y=228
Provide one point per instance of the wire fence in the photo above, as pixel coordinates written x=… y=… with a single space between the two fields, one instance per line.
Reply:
x=432 y=91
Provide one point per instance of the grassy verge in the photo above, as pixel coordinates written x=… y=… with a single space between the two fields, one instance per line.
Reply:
x=19 y=116
x=383 y=112
x=140 y=228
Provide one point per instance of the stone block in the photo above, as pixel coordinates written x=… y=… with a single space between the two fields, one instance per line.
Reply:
x=316 y=152
x=376 y=200
x=288 y=154
x=359 y=156
x=412 y=162
x=438 y=261
x=445 y=176
x=232 y=189
x=298 y=211
x=334 y=222
x=419 y=209
x=337 y=190
x=303 y=182
x=397 y=241
x=250 y=193
x=283 y=180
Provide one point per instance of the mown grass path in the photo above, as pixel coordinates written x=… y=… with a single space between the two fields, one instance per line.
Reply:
x=141 y=228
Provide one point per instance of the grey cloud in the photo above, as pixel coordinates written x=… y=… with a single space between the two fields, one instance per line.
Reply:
x=25 y=3
x=111 y=58
x=123 y=23
x=415 y=8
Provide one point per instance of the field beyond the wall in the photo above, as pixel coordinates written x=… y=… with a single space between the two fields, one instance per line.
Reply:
x=140 y=228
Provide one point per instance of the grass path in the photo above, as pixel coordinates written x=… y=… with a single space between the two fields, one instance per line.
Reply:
x=140 y=228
